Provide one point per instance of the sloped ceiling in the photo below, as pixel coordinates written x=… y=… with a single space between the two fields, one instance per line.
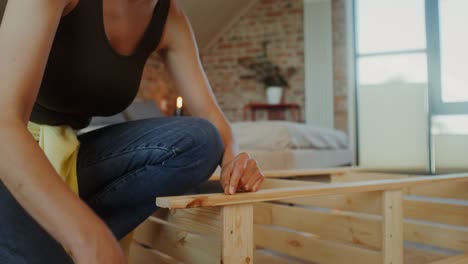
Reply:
x=211 y=18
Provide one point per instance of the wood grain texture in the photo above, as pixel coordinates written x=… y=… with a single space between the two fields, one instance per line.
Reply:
x=178 y=202
x=444 y=212
x=449 y=190
x=142 y=255
x=237 y=244
x=360 y=231
x=392 y=227
x=311 y=248
x=461 y=259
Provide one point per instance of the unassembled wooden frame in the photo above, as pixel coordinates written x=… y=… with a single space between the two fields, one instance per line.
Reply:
x=346 y=215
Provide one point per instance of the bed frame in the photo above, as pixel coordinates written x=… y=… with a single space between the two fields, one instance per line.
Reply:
x=319 y=216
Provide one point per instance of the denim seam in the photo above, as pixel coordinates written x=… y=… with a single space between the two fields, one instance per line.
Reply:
x=115 y=185
x=114 y=155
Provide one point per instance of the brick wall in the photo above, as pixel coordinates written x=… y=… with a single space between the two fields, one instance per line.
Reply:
x=281 y=23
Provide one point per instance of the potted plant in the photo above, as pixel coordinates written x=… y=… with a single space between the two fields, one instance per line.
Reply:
x=270 y=75
x=274 y=84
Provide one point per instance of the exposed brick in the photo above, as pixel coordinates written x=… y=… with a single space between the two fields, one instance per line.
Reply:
x=281 y=23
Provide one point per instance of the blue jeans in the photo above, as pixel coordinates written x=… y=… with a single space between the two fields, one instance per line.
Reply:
x=121 y=170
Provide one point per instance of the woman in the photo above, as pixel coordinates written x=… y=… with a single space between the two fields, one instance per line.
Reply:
x=64 y=61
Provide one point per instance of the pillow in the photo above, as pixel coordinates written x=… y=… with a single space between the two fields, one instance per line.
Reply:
x=279 y=135
x=141 y=110
x=107 y=120
x=136 y=110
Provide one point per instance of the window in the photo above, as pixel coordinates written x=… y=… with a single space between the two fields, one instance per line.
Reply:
x=453 y=50
x=391 y=42
x=415 y=42
x=390 y=25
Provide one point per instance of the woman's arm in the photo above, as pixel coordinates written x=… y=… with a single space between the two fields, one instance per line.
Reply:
x=26 y=35
x=181 y=54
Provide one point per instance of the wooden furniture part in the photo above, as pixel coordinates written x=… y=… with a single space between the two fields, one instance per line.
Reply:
x=275 y=111
x=352 y=216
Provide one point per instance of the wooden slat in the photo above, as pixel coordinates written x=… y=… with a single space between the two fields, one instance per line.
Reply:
x=177 y=202
x=450 y=190
x=141 y=255
x=392 y=226
x=206 y=220
x=308 y=247
x=448 y=237
x=357 y=176
x=279 y=183
x=301 y=173
x=186 y=246
x=420 y=256
x=444 y=212
x=367 y=202
x=352 y=229
x=261 y=257
x=460 y=259
x=237 y=244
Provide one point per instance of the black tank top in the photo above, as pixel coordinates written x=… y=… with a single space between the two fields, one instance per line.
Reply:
x=84 y=76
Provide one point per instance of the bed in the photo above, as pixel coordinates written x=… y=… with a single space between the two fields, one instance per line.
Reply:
x=283 y=145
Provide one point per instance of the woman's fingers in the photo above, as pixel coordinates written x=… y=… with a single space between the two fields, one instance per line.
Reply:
x=240 y=164
x=256 y=185
x=251 y=175
x=242 y=173
x=225 y=177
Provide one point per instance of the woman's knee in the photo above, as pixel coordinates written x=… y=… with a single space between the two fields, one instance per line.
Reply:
x=206 y=136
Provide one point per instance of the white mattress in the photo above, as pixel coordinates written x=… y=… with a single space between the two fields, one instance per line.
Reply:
x=300 y=159
x=280 y=135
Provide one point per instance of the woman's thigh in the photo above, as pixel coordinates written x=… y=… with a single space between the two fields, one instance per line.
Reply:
x=122 y=168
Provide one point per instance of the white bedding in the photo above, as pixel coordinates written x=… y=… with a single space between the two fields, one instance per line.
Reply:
x=281 y=135
x=299 y=159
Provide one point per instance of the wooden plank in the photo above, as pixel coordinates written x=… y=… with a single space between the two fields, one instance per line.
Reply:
x=261 y=257
x=279 y=183
x=442 y=236
x=308 y=247
x=142 y=255
x=177 y=202
x=356 y=176
x=352 y=229
x=460 y=259
x=301 y=173
x=392 y=227
x=237 y=234
x=205 y=220
x=186 y=246
x=367 y=202
x=147 y=231
x=420 y=256
x=444 y=212
x=450 y=190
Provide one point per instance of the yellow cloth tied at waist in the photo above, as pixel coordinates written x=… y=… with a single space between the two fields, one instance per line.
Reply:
x=61 y=146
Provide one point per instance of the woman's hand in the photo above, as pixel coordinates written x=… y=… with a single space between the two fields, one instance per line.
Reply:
x=100 y=247
x=241 y=173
